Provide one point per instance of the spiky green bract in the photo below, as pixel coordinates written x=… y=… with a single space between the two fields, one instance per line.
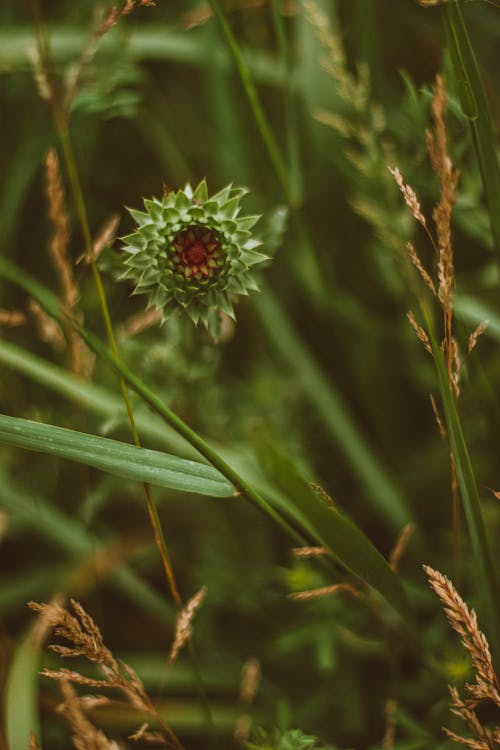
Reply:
x=193 y=252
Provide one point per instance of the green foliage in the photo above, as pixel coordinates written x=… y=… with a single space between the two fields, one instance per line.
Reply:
x=292 y=739
x=305 y=104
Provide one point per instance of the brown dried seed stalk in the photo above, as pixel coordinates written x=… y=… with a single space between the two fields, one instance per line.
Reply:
x=248 y=690
x=401 y=545
x=300 y=596
x=418 y=265
x=484 y=737
x=476 y=334
x=310 y=551
x=390 y=725
x=47 y=328
x=58 y=247
x=85 y=735
x=421 y=334
x=184 y=629
x=409 y=195
x=58 y=250
x=464 y=622
x=86 y=640
x=140 y=322
x=323 y=494
x=105 y=237
x=448 y=179
x=442 y=431
x=12 y=318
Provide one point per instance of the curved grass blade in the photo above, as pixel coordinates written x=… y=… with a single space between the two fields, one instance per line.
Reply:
x=331 y=529
x=122 y=459
x=392 y=591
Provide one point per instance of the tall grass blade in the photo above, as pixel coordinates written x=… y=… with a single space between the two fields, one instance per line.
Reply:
x=122 y=459
x=332 y=411
x=21 y=695
x=487 y=582
x=475 y=107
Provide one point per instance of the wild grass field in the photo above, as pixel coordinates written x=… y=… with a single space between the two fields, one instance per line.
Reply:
x=250 y=365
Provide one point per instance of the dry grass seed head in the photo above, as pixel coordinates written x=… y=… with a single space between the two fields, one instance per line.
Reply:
x=448 y=178
x=421 y=334
x=46 y=327
x=401 y=545
x=12 y=318
x=310 y=551
x=420 y=268
x=476 y=333
x=439 y=421
x=58 y=247
x=484 y=738
x=85 y=735
x=464 y=623
x=184 y=628
x=301 y=596
x=105 y=237
x=409 y=195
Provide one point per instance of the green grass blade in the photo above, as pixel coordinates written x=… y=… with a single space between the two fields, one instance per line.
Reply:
x=342 y=537
x=487 y=582
x=475 y=107
x=96 y=398
x=332 y=411
x=21 y=701
x=122 y=459
x=261 y=120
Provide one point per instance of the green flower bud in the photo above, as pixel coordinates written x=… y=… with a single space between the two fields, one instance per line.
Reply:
x=193 y=252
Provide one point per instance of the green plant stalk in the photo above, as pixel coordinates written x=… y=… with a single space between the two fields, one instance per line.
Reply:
x=470 y=496
x=255 y=105
x=61 y=123
x=476 y=109
x=51 y=305
x=289 y=106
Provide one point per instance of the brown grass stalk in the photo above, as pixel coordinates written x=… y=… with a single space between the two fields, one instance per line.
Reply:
x=85 y=639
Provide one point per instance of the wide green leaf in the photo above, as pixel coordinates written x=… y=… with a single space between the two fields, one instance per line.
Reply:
x=122 y=459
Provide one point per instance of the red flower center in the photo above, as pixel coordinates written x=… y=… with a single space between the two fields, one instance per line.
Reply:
x=195 y=255
x=196 y=252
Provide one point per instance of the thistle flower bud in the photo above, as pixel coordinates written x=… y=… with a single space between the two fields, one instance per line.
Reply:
x=193 y=252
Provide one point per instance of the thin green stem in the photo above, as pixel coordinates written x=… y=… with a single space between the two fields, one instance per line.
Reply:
x=261 y=120
x=60 y=116
x=486 y=573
